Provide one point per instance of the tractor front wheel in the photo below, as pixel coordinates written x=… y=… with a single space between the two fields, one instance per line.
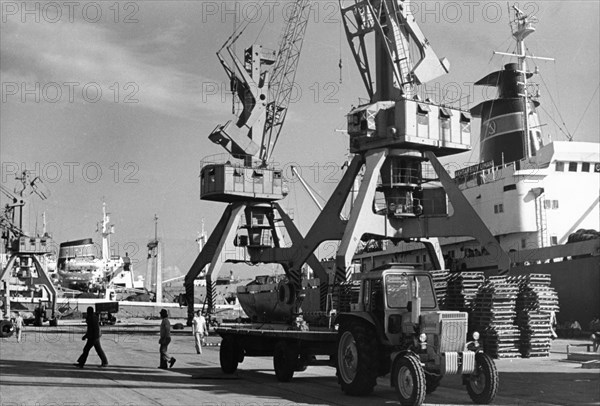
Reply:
x=409 y=380
x=482 y=384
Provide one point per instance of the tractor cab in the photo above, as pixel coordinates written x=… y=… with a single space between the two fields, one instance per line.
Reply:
x=394 y=296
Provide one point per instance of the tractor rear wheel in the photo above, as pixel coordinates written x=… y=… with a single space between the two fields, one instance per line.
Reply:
x=357 y=356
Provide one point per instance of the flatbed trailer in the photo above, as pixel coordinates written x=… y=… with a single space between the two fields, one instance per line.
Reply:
x=292 y=350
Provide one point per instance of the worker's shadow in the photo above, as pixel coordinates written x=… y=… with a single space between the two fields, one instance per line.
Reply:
x=37 y=373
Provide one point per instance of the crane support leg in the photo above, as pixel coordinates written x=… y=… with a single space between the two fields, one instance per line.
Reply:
x=312 y=261
x=362 y=217
x=43 y=276
x=222 y=235
x=465 y=218
x=434 y=250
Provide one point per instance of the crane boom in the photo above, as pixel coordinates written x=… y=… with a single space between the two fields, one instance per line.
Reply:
x=395 y=26
x=284 y=74
x=263 y=82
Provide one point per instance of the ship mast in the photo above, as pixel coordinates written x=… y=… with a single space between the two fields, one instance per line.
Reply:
x=522 y=26
x=106 y=232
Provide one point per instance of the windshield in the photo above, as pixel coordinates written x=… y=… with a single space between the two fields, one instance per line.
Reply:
x=400 y=288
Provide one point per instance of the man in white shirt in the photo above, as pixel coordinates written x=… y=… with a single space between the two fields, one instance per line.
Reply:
x=199 y=330
x=18 y=326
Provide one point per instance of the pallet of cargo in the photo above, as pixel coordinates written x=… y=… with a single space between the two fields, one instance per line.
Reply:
x=536 y=301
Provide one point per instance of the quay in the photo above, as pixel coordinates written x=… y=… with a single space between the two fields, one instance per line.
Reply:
x=39 y=371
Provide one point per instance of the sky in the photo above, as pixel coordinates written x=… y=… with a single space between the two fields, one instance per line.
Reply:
x=114 y=101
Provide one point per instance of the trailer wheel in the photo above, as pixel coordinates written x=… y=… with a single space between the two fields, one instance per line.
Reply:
x=229 y=355
x=6 y=328
x=285 y=360
x=357 y=357
x=409 y=379
x=482 y=384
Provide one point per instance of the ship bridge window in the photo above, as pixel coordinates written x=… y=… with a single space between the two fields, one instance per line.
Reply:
x=560 y=166
x=510 y=187
x=572 y=166
x=499 y=208
x=585 y=167
x=554 y=240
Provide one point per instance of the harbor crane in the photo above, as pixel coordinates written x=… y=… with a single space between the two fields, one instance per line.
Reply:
x=23 y=275
x=263 y=82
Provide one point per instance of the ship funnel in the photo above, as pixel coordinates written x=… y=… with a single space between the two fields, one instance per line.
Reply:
x=503 y=136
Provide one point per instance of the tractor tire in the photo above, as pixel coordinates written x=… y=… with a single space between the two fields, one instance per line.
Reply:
x=432 y=382
x=285 y=361
x=229 y=355
x=357 y=356
x=6 y=328
x=482 y=384
x=409 y=379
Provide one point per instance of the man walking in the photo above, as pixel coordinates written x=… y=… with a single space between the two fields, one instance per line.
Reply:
x=18 y=326
x=165 y=339
x=199 y=330
x=92 y=335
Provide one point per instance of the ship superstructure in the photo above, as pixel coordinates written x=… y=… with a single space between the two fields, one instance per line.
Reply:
x=84 y=266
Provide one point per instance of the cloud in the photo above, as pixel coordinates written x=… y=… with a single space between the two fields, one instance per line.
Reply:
x=86 y=53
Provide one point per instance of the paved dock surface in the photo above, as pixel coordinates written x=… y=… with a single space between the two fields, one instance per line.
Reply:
x=39 y=371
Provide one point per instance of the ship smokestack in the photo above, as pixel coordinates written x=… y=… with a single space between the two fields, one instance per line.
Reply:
x=503 y=136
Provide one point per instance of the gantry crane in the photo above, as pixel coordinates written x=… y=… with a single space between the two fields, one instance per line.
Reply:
x=23 y=275
x=263 y=82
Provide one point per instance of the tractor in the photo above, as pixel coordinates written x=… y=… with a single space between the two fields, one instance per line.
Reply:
x=394 y=325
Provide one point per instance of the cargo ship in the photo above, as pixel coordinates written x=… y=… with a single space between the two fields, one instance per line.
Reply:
x=86 y=267
x=538 y=197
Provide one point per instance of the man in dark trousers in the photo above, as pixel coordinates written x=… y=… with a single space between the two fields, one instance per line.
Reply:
x=93 y=340
x=165 y=339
